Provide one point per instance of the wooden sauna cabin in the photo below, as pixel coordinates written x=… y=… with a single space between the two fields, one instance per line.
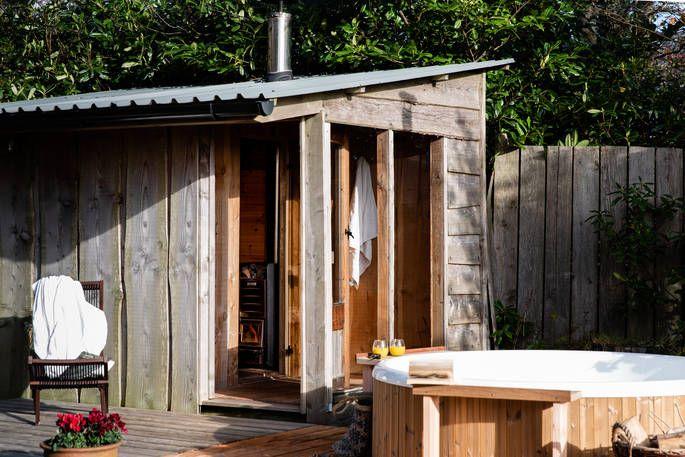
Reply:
x=217 y=218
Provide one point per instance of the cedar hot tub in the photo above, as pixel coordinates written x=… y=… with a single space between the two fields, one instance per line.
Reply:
x=524 y=403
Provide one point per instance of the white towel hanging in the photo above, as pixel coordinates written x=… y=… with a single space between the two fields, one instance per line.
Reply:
x=363 y=222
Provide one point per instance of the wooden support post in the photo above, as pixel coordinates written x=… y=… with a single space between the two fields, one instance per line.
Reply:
x=343 y=211
x=227 y=150
x=430 y=437
x=206 y=348
x=316 y=270
x=560 y=429
x=283 y=250
x=437 y=241
x=385 y=195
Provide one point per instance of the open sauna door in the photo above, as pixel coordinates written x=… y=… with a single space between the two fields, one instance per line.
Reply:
x=289 y=257
x=257 y=320
x=340 y=192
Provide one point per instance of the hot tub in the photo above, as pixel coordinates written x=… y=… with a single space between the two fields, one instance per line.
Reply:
x=524 y=403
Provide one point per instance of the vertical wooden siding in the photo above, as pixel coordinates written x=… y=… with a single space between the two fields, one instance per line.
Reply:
x=17 y=270
x=463 y=234
x=547 y=258
x=121 y=206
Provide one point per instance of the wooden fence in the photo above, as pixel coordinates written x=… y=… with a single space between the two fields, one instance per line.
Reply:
x=546 y=256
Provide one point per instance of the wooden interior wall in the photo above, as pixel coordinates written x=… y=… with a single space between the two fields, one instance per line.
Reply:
x=412 y=241
x=121 y=206
x=293 y=361
x=363 y=299
x=257 y=179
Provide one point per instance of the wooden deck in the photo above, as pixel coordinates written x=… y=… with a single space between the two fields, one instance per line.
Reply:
x=157 y=433
x=259 y=389
x=303 y=442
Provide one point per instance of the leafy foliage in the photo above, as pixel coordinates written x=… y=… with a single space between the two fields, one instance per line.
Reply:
x=597 y=71
x=641 y=243
x=513 y=330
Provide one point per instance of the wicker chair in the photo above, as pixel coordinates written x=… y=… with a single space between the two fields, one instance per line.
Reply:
x=72 y=374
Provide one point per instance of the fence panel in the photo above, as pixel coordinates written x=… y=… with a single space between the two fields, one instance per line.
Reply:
x=558 y=235
x=612 y=292
x=505 y=239
x=531 y=266
x=548 y=260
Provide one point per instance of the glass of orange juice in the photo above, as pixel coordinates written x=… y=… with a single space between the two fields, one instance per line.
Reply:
x=380 y=347
x=397 y=347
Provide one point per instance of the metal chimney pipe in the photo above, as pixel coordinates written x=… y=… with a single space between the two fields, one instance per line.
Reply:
x=278 y=65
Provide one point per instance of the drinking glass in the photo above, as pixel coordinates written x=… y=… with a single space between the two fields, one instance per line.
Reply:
x=380 y=347
x=397 y=347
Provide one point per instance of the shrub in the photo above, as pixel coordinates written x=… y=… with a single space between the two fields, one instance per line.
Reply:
x=513 y=330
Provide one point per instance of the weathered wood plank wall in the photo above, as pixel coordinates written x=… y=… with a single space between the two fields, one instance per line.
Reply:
x=317 y=305
x=547 y=258
x=57 y=230
x=183 y=260
x=124 y=207
x=464 y=300
x=100 y=212
x=17 y=270
x=146 y=264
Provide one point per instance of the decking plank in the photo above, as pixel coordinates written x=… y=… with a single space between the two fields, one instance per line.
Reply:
x=151 y=433
x=302 y=442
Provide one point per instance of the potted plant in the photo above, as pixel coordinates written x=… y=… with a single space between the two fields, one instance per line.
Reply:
x=95 y=435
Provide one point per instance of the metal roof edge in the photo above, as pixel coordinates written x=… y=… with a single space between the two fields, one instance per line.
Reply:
x=247 y=90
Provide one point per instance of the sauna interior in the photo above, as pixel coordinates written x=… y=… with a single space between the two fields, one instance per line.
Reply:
x=263 y=226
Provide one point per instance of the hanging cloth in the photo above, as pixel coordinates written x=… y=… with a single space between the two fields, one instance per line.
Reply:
x=363 y=222
x=64 y=323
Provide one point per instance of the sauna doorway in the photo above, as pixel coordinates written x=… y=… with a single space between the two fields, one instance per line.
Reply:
x=357 y=317
x=256 y=226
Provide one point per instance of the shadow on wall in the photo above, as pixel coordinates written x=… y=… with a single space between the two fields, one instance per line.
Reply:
x=407 y=115
x=13 y=355
x=120 y=206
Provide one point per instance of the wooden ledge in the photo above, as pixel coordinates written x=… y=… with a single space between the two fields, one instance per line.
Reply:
x=496 y=393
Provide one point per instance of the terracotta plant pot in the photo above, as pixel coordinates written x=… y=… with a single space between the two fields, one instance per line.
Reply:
x=111 y=450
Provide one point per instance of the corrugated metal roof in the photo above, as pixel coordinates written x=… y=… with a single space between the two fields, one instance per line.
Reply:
x=251 y=90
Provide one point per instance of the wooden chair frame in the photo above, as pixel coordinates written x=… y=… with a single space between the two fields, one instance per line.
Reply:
x=80 y=373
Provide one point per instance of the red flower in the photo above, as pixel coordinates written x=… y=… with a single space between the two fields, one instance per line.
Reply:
x=71 y=422
x=117 y=422
x=96 y=417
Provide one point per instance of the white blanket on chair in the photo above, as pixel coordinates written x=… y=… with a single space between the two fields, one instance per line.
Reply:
x=64 y=323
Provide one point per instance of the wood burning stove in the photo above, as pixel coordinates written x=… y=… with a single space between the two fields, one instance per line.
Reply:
x=258 y=316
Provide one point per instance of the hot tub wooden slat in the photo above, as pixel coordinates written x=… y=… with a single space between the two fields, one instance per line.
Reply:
x=477 y=427
x=497 y=393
